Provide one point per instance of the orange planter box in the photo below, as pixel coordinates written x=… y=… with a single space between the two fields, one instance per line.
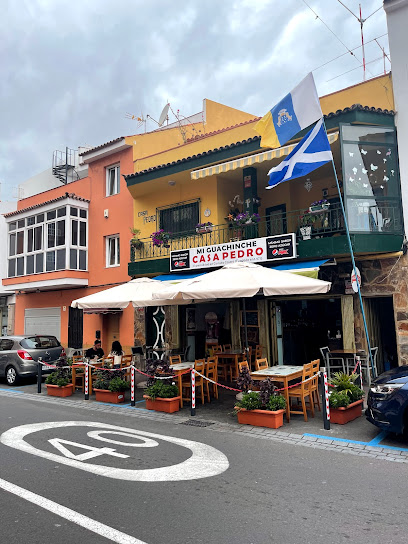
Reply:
x=260 y=418
x=57 y=391
x=104 y=395
x=163 y=405
x=344 y=415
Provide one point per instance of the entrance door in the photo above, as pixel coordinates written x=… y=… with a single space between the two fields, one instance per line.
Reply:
x=276 y=220
x=381 y=330
x=75 y=328
x=111 y=330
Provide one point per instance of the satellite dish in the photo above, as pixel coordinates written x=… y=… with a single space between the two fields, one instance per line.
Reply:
x=163 y=115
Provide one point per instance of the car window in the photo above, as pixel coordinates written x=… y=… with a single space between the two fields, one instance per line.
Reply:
x=6 y=344
x=39 y=342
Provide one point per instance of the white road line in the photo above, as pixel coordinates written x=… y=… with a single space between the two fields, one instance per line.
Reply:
x=99 y=528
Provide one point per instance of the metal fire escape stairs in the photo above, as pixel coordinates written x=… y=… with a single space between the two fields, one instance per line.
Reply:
x=64 y=164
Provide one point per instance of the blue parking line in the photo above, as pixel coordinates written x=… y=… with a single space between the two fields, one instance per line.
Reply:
x=376 y=440
x=16 y=391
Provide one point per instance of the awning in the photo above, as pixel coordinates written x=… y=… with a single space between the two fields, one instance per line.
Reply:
x=174 y=278
x=250 y=160
x=306 y=268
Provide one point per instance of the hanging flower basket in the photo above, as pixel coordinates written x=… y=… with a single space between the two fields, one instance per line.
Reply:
x=245 y=219
x=161 y=238
x=319 y=205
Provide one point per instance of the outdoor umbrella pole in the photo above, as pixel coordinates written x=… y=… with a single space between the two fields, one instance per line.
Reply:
x=245 y=327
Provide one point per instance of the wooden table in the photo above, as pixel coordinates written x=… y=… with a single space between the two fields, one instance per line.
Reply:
x=232 y=357
x=178 y=370
x=282 y=374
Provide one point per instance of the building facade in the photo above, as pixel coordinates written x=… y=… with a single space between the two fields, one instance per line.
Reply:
x=215 y=177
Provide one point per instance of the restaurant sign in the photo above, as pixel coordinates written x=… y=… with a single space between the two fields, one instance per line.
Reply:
x=271 y=248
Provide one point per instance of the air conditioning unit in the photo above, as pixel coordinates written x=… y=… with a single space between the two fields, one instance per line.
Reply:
x=106 y=213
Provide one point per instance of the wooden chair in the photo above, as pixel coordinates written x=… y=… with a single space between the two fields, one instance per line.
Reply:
x=108 y=361
x=243 y=364
x=226 y=347
x=199 y=366
x=211 y=373
x=303 y=391
x=175 y=359
x=77 y=359
x=315 y=383
x=126 y=360
x=260 y=364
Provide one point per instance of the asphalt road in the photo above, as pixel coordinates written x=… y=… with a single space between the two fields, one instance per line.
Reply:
x=264 y=492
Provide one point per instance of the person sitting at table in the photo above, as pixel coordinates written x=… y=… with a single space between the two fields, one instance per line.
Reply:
x=95 y=351
x=116 y=352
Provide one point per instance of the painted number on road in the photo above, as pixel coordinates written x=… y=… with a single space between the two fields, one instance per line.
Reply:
x=205 y=461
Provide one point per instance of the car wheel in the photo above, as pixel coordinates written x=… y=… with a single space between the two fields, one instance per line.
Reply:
x=12 y=375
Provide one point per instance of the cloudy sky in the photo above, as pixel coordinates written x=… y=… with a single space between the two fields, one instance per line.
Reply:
x=71 y=69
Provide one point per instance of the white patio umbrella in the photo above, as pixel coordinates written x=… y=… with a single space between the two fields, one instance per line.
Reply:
x=244 y=280
x=139 y=292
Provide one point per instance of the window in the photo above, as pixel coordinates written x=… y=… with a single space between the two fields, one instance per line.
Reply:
x=53 y=240
x=112 y=251
x=112 y=180
x=182 y=217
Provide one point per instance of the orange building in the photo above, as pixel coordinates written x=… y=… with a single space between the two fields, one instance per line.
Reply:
x=73 y=240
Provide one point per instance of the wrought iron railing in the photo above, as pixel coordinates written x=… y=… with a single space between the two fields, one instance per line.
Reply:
x=382 y=217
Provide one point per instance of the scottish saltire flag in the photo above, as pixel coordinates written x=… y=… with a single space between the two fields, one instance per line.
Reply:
x=310 y=153
x=298 y=110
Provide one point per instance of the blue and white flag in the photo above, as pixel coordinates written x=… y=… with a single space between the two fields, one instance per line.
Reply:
x=311 y=152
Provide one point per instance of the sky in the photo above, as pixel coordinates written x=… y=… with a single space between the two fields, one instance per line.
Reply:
x=72 y=69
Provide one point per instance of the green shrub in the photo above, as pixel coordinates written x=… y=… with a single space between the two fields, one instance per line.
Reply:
x=250 y=401
x=276 y=402
x=339 y=399
x=117 y=384
x=343 y=383
x=162 y=390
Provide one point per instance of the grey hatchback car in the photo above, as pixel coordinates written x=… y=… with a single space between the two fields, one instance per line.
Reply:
x=19 y=355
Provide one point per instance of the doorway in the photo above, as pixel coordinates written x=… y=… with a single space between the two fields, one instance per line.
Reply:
x=381 y=330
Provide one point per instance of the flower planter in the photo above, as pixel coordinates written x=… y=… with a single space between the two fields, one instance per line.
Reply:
x=344 y=415
x=203 y=230
x=57 y=391
x=320 y=208
x=260 y=418
x=104 y=395
x=163 y=405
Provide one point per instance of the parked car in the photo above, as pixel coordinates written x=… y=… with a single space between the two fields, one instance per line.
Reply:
x=18 y=355
x=387 y=401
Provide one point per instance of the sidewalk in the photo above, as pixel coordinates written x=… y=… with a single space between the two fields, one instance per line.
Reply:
x=222 y=411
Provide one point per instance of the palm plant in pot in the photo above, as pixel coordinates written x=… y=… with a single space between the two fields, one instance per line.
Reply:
x=263 y=408
x=345 y=399
x=161 y=394
x=59 y=383
x=110 y=385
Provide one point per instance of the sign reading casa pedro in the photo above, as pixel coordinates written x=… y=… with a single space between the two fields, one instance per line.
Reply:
x=271 y=248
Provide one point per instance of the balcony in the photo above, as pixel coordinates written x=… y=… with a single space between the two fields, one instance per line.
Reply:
x=374 y=229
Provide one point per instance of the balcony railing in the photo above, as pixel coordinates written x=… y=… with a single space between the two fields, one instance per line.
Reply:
x=382 y=217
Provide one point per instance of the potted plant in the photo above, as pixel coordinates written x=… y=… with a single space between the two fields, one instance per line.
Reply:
x=110 y=385
x=59 y=383
x=244 y=219
x=161 y=395
x=161 y=238
x=345 y=399
x=262 y=409
x=202 y=228
x=307 y=221
x=135 y=241
x=319 y=205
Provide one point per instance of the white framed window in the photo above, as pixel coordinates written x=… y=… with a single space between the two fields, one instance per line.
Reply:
x=112 y=180
x=112 y=250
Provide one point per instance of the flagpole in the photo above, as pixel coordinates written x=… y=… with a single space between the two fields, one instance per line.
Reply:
x=353 y=262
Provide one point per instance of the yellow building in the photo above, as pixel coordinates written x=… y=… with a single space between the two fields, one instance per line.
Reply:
x=214 y=176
